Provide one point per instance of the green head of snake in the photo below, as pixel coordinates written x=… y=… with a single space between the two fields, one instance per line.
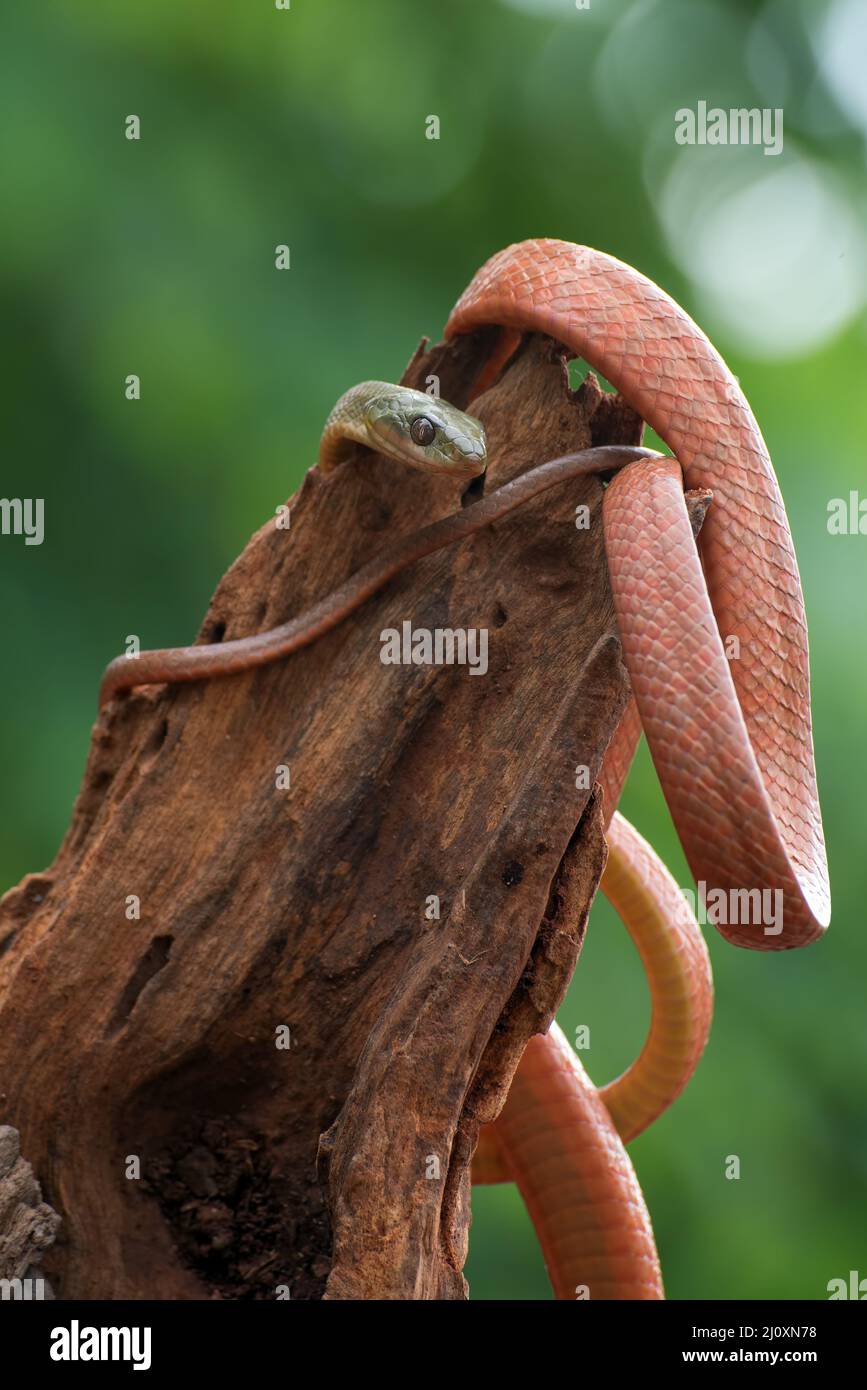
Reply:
x=425 y=432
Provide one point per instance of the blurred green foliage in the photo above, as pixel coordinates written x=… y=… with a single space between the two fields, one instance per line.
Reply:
x=306 y=127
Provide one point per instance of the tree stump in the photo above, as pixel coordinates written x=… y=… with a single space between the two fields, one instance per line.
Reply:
x=246 y=1057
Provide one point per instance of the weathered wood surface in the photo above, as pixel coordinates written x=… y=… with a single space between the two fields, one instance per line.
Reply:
x=260 y=907
x=28 y=1225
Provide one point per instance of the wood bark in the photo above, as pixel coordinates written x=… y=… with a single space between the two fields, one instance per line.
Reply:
x=196 y=908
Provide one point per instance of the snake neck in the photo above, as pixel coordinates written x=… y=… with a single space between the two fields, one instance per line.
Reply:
x=347 y=424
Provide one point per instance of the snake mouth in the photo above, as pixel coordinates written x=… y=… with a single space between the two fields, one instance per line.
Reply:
x=463 y=466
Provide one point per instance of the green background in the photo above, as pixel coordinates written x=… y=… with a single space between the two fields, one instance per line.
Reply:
x=307 y=127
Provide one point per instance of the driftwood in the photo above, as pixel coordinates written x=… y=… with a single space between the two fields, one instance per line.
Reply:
x=245 y=1056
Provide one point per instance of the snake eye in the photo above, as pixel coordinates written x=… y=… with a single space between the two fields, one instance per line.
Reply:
x=422 y=431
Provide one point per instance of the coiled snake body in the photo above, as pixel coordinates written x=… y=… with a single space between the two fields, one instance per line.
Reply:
x=731 y=741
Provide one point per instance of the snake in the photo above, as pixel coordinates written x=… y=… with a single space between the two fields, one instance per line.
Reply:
x=714 y=638
x=411 y=427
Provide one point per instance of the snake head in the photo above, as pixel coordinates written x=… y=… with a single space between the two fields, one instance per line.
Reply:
x=426 y=432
